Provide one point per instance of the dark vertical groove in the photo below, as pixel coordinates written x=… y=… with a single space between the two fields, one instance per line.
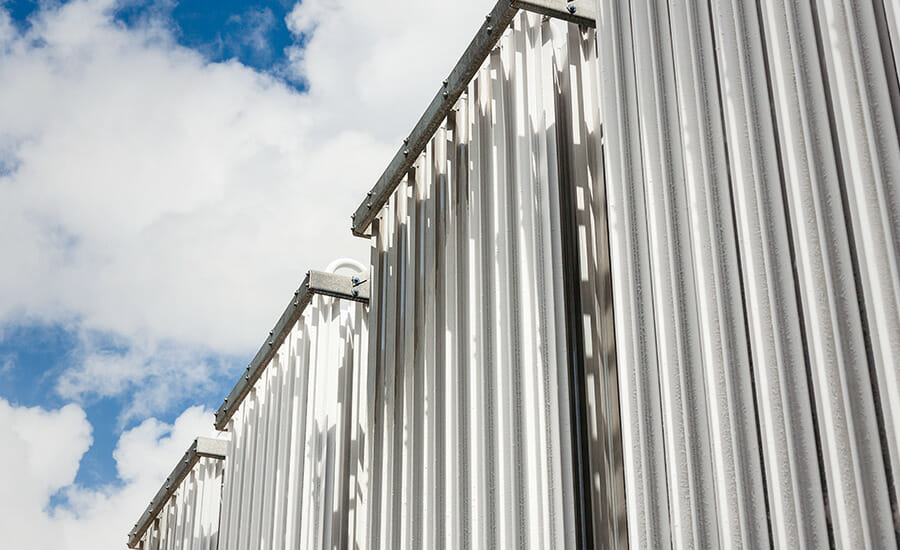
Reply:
x=887 y=55
x=488 y=369
x=798 y=294
x=639 y=203
x=512 y=220
x=574 y=329
x=890 y=70
x=740 y=269
x=848 y=220
x=401 y=275
x=377 y=421
x=440 y=318
x=462 y=328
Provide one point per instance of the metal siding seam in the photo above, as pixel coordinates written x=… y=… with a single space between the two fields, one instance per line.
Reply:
x=642 y=431
x=502 y=283
x=447 y=526
x=799 y=265
x=556 y=368
x=476 y=219
x=434 y=525
x=555 y=530
x=610 y=527
x=464 y=502
x=531 y=497
x=859 y=100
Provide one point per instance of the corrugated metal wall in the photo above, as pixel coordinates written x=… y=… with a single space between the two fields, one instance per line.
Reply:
x=753 y=171
x=190 y=518
x=293 y=465
x=468 y=382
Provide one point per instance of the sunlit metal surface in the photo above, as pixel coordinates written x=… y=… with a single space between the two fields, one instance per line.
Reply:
x=753 y=167
x=293 y=469
x=468 y=382
x=185 y=512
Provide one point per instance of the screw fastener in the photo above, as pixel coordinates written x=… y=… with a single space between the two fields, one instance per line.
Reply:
x=571 y=7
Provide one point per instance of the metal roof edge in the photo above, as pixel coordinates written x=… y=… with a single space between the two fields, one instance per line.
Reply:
x=315 y=282
x=495 y=24
x=202 y=447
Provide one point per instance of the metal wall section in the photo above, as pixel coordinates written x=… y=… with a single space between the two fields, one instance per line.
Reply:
x=468 y=380
x=189 y=520
x=753 y=167
x=292 y=477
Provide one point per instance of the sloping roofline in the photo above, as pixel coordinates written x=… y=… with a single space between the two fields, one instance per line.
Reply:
x=316 y=282
x=202 y=447
x=582 y=12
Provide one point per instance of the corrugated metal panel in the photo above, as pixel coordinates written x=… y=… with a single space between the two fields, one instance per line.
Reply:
x=468 y=382
x=293 y=475
x=189 y=518
x=753 y=166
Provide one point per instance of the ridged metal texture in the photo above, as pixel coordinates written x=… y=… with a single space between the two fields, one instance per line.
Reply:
x=753 y=171
x=293 y=466
x=467 y=372
x=189 y=520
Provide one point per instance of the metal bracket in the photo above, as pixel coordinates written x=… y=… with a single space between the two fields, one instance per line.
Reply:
x=316 y=282
x=496 y=23
x=202 y=447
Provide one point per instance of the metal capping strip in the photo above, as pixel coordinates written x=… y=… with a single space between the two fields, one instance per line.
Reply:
x=202 y=447
x=316 y=282
x=582 y=12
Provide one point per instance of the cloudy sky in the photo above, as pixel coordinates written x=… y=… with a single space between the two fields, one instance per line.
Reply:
x=168 y=172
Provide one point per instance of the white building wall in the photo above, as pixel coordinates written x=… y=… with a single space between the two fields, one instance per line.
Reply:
x=189 y=520
x=753 y=171
x=468 y=387
x=293 y=466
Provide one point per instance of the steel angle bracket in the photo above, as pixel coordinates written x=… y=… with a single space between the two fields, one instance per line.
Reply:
x=495 y=24
x=202 y=447
x=316 y=282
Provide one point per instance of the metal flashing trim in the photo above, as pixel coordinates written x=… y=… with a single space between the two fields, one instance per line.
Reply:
x=495 y=24
x=582 y=12
x=202 y=447
x=316 y=282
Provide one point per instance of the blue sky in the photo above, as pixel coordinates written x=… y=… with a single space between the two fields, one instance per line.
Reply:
x=253 y=33
x=168 y=173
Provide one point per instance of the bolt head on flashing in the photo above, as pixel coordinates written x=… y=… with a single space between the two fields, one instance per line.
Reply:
x=406 y=152
x=446 y=95
x=571 y=8
x=490 y=30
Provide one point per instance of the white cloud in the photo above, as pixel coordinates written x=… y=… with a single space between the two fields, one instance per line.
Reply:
x=172 y=205
x=42 y=451
x=175 y=203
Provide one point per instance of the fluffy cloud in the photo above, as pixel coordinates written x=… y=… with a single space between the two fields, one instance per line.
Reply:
x=42 y=451
x=170 y=205
x=170 y=202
